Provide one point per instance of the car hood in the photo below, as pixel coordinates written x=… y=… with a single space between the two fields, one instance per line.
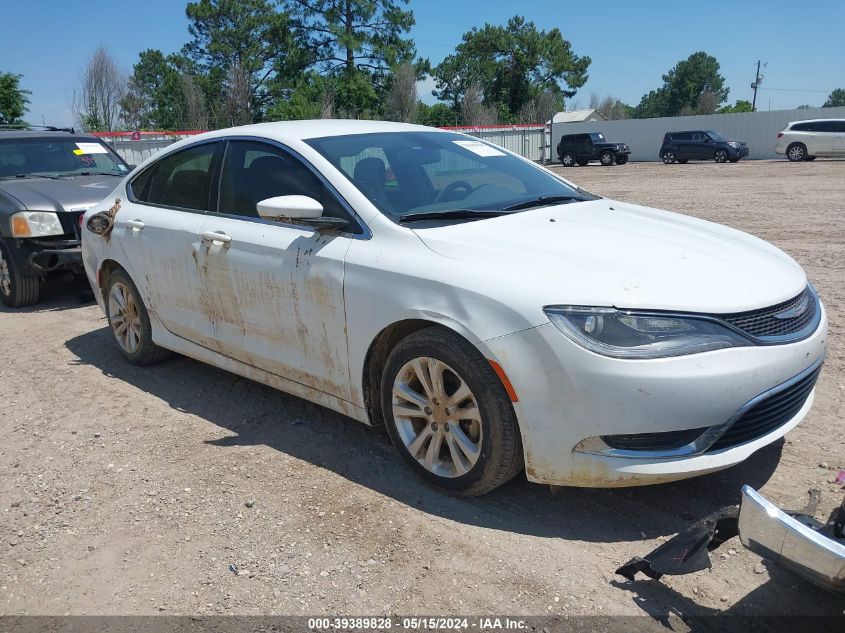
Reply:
x=608 y=253
x=67 y=194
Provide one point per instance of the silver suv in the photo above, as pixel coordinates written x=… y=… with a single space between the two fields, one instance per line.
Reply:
x=805 y=140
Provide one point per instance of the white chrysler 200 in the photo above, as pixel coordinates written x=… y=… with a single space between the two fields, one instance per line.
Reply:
x=491 y=314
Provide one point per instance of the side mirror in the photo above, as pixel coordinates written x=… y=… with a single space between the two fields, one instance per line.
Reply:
x=293 y=207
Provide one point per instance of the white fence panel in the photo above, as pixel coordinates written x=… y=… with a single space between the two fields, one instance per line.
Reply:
x=645 y=136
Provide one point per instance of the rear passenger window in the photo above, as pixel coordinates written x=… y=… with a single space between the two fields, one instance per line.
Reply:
x=182 y=179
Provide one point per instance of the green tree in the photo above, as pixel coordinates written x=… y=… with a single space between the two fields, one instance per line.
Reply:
x=13 y=99
x=512 y=64
x=683 y=88
x=739 y=106
x=156 y=95
x=358 y=42
x=836 y=98
x=435 y=115
x=246 y=52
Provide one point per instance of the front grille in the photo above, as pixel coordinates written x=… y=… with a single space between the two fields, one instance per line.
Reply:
x=765 y=323
x=768 y=414
x=70 y=222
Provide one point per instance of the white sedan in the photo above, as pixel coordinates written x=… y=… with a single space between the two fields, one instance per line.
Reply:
x=494 y=316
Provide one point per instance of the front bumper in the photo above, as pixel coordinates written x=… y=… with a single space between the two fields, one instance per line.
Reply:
x=69 y=257
x=773 y=534
x=568 y=394
x=741 y=152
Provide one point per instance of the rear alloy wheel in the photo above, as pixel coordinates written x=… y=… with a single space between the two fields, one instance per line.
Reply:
x=568 y=159
x=448 y=413
x=16 y=289
x=796 y=152
x=130 y=322
x=720 y=156
x=607 y=158
x=669 y=157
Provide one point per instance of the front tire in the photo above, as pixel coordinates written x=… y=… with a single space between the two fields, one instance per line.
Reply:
x=720 y=156
x=17 y=290
x=796 y=152
x=607 y=158
x=130 y=322
x=448 y=413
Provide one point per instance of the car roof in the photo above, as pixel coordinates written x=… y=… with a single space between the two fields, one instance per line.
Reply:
x=287 y=131
x=813 y=121
x=57 y=134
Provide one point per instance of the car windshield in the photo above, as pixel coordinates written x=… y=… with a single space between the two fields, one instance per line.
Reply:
x=715 y=135
x=413 y=174
x=55 y=157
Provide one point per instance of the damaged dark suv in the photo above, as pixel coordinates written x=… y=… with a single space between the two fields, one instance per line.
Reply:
x=48 y=179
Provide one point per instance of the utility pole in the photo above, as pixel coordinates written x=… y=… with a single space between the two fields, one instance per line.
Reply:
x=754 y=86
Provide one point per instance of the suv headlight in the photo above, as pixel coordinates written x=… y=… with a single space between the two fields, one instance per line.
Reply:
x=734 y=144
x=640 y=335
x=36 y=224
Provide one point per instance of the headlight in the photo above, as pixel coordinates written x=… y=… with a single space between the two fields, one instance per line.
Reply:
x=734 y=144
x=638 y=335
x=36 y=224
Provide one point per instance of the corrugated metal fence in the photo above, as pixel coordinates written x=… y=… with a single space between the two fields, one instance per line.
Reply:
x=644 y=136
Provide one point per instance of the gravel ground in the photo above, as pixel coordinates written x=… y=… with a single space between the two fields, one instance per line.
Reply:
x=183 y=489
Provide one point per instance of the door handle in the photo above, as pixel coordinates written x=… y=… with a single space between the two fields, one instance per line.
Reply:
x=214 y=236
x=135 y=224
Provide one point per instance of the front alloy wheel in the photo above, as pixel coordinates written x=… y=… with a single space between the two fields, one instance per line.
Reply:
x=16 y=289
x=720 y=156
x=448 y=413
x=437 y=417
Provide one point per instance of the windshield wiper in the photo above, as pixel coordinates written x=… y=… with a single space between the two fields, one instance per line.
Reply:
x=92 y=173
x=542 y=201
x=56 y=177
x=453 y=214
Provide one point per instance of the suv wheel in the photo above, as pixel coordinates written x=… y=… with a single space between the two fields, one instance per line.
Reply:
x=567 y=159
x=796 y=152
x=448 y=413
x=607 y=158
x=16 y=289
x=720 y=156
x=669 y=157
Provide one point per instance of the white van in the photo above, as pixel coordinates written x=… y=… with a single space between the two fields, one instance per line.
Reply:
x=805 y=140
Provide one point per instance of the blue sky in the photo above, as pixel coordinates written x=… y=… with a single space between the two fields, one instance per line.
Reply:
x=631 y=43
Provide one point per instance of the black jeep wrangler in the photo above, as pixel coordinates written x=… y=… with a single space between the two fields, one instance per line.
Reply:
x=580 y=149
x=48 y=179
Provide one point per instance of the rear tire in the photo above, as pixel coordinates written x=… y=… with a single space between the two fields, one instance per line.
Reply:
x=130 y=322
x=796 y=152
x=466 y=455
x=607 y=158
x=567 y=159
x=17 y=290
x=669 y=157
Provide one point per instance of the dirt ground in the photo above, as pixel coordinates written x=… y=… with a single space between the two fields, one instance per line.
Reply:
x=129 y=490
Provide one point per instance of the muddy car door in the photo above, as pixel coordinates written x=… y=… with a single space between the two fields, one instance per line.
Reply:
x=274 y=289
x=157 y=229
